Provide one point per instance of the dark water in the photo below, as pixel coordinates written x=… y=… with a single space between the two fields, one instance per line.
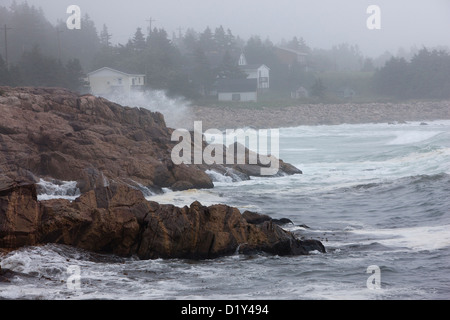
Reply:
x=375 y=195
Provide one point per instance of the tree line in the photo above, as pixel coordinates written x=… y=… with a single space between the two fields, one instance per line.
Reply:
x=187 y=64
x=425 y=76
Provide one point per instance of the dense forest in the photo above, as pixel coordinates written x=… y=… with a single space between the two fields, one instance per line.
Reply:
x=187 y=64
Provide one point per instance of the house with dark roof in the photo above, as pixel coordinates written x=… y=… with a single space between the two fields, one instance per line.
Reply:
x=260 y=72
x=237 y=89
x=290 y=57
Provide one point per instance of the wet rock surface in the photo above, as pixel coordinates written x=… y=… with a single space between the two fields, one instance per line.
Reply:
x=119 y=220
x=56 y=134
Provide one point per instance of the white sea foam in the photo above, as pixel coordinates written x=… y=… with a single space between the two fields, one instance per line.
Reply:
x=414 y=238
x=408 y=137
x=176 y=111
x=218 y=177
x=58 y=190
x=206 y=197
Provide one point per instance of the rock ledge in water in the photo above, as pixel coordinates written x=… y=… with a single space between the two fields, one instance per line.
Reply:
x=119 y=220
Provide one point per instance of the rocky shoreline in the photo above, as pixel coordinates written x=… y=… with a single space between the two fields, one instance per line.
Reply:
x=320 y=114
x=52 y=133
x=118 y=220
x=113 y=154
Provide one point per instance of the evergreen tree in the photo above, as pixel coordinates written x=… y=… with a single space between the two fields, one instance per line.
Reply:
x=229 y=68
x=74 y=75
x=190 y=42
x=220 y=40
x=138 y=41
x=393 y=78
x=202 y=74
x=294 y=44
x=83 y=44
x=37 y=69
x=206 y=41
x=104 y=37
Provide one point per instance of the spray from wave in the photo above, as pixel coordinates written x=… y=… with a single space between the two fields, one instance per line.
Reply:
x=176 y=111
x=56 y=189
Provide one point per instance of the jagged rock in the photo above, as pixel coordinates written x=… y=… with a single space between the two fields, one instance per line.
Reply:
x=87 y=139
x=19 y=213
x=54 y=133
x=119 y=220
x=113 y=152
x=255 y=218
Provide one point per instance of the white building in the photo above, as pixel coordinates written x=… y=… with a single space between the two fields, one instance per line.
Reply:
x=106 y=81
x=237 y=90
x=260 y=72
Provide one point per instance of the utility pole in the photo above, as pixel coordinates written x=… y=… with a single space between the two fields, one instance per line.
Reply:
x=6 y=29
x=180 y=29
x=107 y=36
x=58 y=31
x=150 y=25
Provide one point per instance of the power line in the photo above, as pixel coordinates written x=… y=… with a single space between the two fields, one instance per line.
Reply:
x=180 y=30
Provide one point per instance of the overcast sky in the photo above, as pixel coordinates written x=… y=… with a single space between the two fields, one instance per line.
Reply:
x=322 y=23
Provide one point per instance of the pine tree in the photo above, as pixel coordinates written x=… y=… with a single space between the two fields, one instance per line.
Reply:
x=207 y=41
x=139 y=43
x=220 y=40
x=202 y=74
x=229 y=68
x=74 y=75
x=105 y=36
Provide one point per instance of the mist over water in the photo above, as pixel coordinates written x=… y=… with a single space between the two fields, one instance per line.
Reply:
x=176 y=111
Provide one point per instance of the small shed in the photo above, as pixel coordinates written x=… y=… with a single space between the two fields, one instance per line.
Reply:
x=299 y=93
x=346 y=93
x=237 y=90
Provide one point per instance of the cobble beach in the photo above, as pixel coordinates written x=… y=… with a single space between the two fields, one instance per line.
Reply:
x=320 y=114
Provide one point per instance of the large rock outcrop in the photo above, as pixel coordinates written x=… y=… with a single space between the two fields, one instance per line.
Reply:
x=54 y=133
x=119 y=220
x=113 y=152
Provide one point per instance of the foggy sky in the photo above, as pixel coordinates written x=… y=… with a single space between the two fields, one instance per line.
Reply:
x=322 y=23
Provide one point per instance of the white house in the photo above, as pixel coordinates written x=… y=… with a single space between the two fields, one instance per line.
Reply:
x=237 y=90
x=106 y=80
x=260 y=72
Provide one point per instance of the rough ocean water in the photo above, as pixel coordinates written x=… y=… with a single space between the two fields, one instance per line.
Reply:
x=374 y=194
